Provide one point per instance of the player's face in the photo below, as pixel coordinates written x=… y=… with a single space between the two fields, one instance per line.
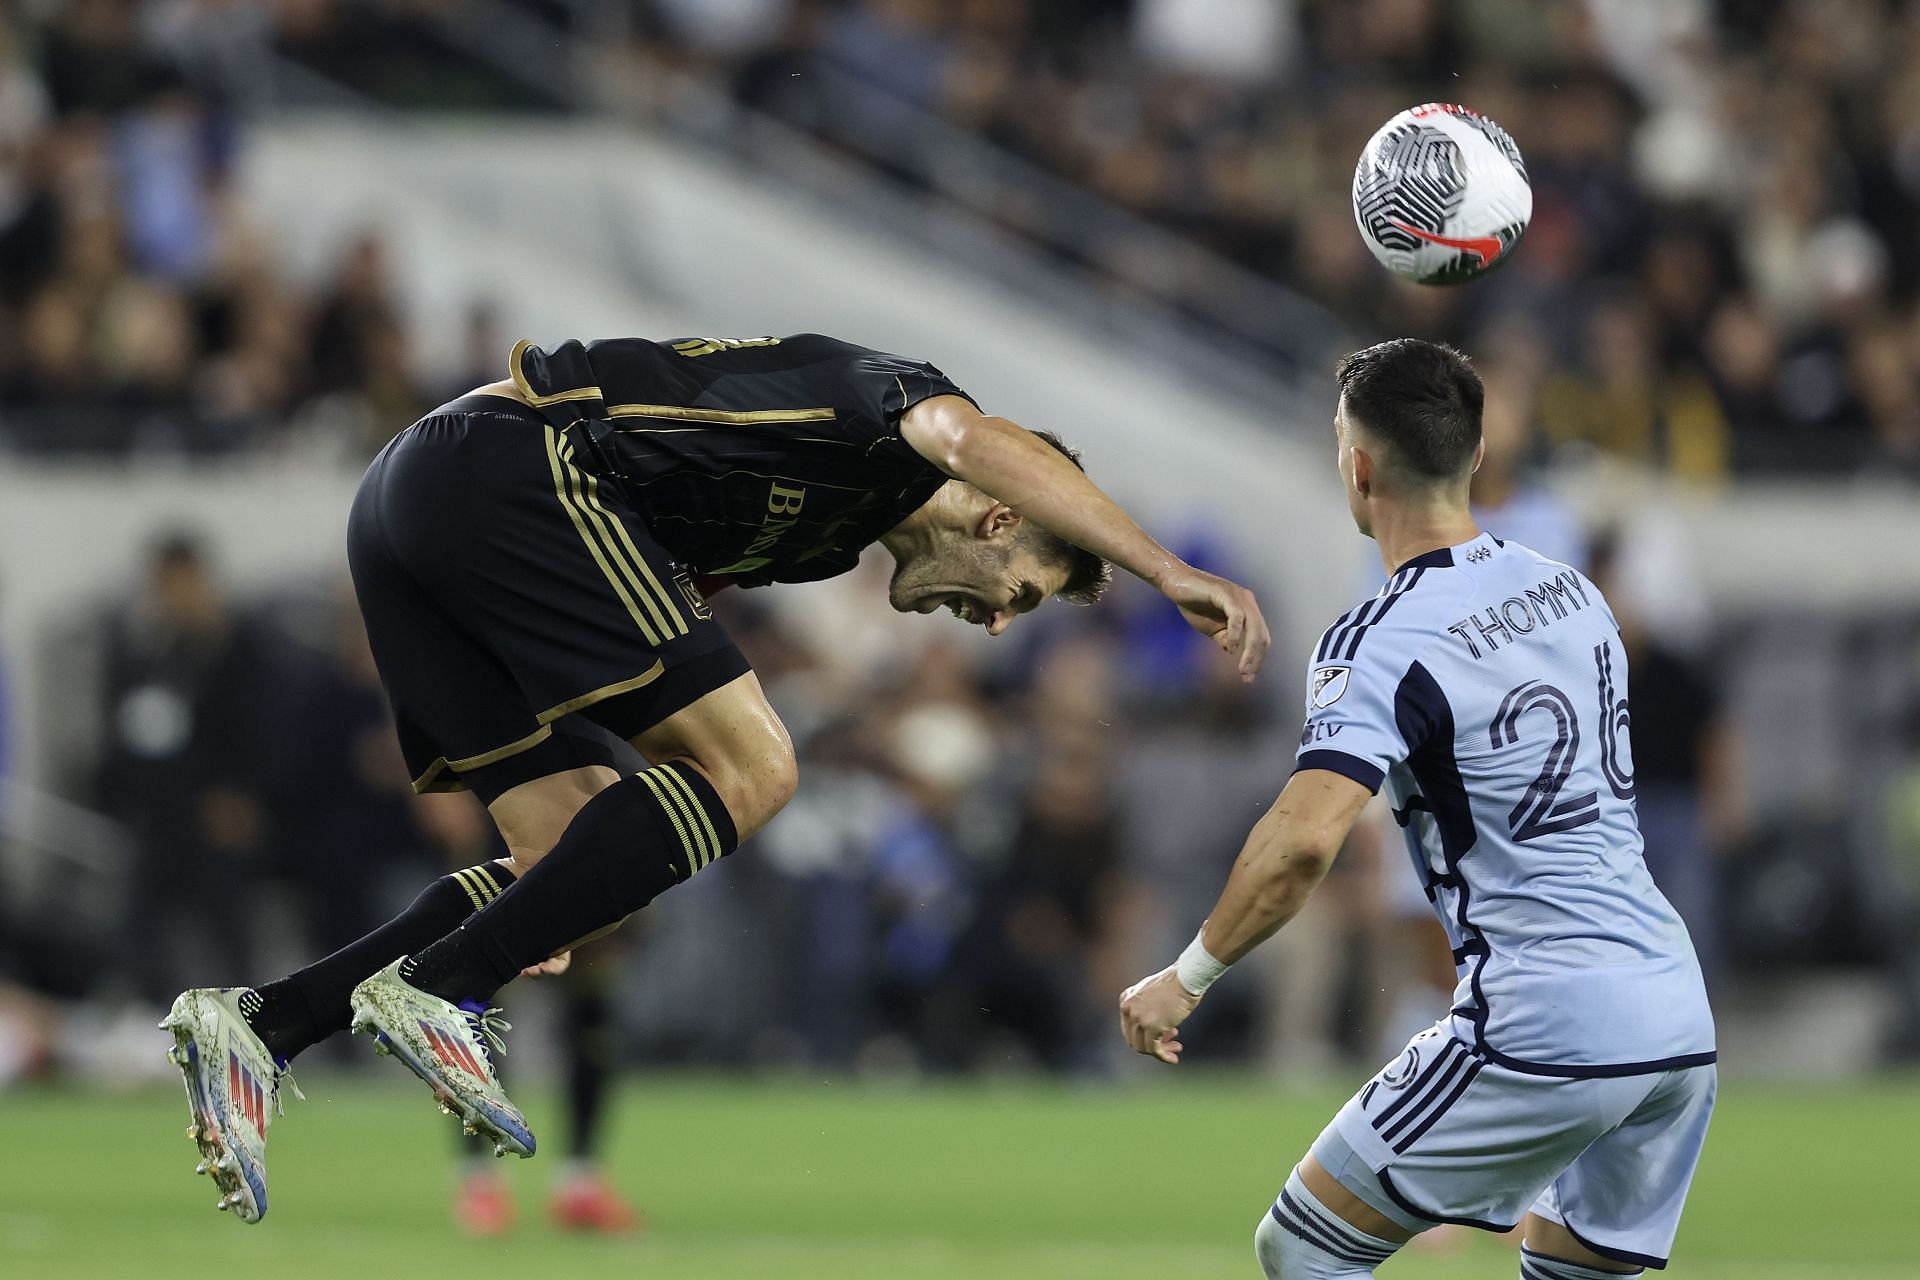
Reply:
x=986 y=585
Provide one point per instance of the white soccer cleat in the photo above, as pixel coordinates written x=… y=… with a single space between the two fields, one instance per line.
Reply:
x=449 y=1047
x=233 y=1093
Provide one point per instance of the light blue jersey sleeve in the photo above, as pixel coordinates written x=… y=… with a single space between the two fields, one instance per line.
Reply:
x=1363 y=712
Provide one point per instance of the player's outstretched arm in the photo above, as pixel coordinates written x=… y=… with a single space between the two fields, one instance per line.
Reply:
x=1282 y=862
x=1012 y=465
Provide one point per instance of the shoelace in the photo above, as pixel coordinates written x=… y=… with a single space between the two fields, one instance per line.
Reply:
x=490 y=1029
x=284 y=1075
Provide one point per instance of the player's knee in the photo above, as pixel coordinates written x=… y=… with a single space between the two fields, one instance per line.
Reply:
x=1268 y=1247
x=1299 y=1239
x=755 y=780
x=777 y=778
x=1285 y=1255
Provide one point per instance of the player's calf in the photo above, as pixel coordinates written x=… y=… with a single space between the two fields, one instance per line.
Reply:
x=1300 y=1239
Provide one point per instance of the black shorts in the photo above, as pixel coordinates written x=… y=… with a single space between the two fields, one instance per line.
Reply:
x=505 y=588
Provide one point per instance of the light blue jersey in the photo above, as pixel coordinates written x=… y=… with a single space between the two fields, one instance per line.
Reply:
x=1486 y=687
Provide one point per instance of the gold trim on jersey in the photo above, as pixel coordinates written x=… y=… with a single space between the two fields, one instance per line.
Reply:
x=565 y=478
x=425 y=781
x=604 y=692
x=730 y=417
x=526 y=388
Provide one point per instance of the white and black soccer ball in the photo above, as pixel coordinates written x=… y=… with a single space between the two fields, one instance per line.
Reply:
x=1441 y=194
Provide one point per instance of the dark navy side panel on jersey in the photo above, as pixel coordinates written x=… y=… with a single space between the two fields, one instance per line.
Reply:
x=759 y=459
x=1484 y=693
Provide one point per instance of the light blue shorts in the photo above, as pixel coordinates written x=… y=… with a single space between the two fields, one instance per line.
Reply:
x=1443 y=1135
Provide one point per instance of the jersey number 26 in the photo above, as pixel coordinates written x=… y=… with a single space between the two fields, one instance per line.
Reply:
x=1543 y=810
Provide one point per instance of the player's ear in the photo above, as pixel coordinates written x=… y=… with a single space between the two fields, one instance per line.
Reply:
x=998 y=521
x=1362 y=470
x=1479 y=455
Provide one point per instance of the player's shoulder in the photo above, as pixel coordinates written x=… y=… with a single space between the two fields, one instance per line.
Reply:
x=1393 y=626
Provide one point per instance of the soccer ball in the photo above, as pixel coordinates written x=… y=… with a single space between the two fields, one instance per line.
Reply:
x=1441 y=194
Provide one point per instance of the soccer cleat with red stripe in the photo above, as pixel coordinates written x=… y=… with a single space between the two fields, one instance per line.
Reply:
x=448 y=1047
x=233 y=1093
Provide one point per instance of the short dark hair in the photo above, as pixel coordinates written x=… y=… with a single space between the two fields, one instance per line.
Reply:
x=1087 y=574
x=1422 y=398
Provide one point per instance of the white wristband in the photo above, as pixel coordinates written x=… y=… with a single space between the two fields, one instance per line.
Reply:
x=1196 y=968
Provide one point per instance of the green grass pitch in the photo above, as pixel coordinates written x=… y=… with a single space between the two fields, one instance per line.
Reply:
x=745 y=1179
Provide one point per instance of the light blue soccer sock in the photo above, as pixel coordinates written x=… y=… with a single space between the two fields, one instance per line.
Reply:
x=1538 y=1266
x=1300 y=1240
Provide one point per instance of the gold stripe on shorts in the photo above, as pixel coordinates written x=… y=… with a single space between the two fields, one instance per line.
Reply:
x=583 y=487
x=594 y=548
x=679 y=625
x=571 y=705
x=425 y=781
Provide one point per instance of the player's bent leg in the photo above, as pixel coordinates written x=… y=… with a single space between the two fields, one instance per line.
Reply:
x=534 y=815
x=734 y=738
x=630 y=842
x=1551 y=1253
x=298 y=1011
x=1318 y=1230
x=725 y=765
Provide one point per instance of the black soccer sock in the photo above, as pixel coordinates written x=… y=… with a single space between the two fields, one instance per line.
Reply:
x=591 y=1049
x=306 y=1007
x=627 y=845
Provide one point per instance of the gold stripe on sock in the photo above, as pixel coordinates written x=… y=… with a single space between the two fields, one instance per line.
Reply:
x=693 y=800
x=473 y=894
x=486 y=874
x=709 y=848
x=666 y=806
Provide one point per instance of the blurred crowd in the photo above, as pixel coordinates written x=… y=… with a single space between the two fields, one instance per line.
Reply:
x=1722 y=265
x=1721 y=274
x=140 y=308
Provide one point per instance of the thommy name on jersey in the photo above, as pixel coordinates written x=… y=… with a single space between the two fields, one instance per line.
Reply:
x=1538 y=606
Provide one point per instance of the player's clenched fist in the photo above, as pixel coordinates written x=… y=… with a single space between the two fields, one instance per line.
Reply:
x=1151 y=1011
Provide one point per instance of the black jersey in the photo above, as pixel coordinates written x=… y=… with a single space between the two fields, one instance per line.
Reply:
x=760 y=459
